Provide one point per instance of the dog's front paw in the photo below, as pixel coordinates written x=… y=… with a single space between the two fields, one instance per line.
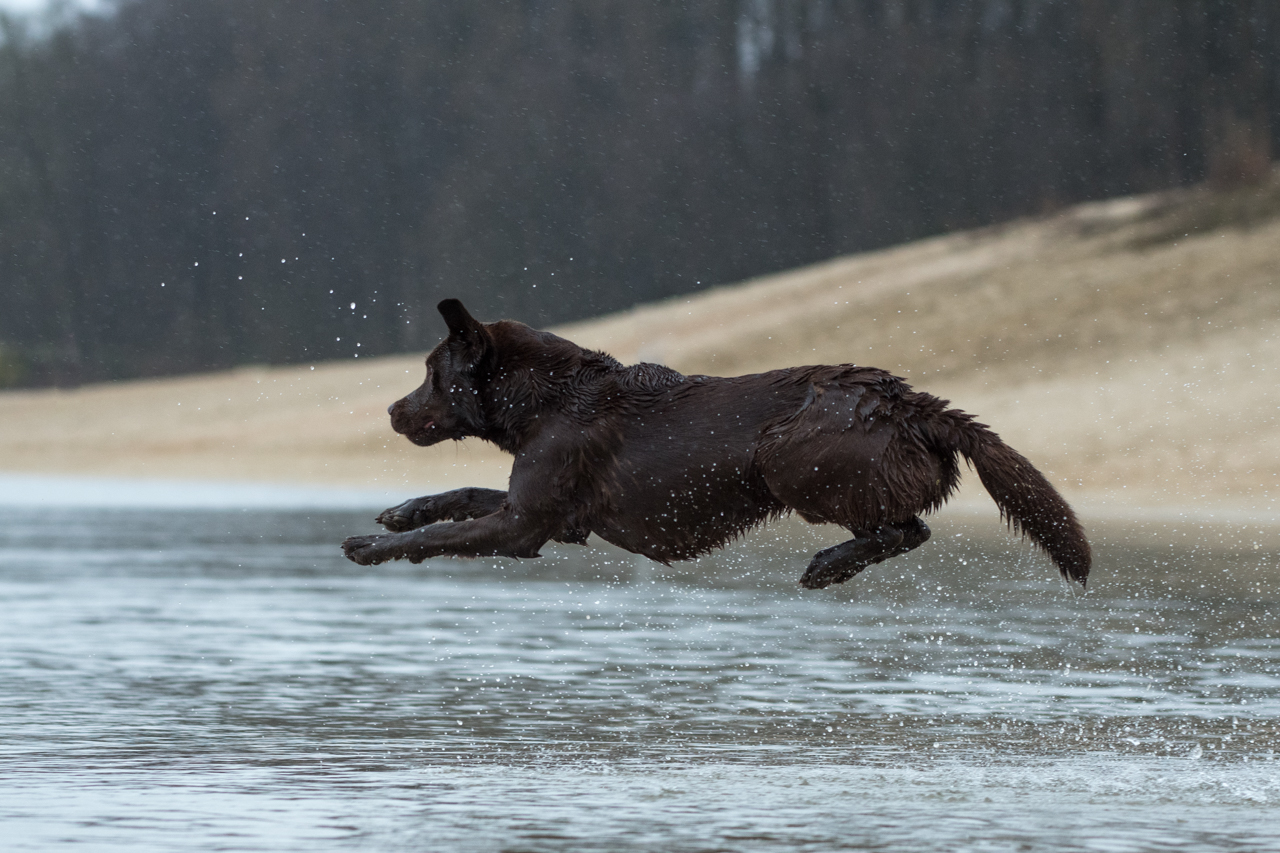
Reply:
x=409 y=515
x=367 y=550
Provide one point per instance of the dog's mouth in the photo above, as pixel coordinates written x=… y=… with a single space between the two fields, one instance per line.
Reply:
x=424 y=435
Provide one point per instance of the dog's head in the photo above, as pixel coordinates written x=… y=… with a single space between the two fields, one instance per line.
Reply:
x=448 y=404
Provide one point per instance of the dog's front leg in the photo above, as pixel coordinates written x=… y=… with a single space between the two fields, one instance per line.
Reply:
x=457 y=505
x=501 y=534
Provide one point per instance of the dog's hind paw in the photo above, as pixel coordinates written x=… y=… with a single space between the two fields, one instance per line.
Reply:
x=830 y=566
x=821 y=578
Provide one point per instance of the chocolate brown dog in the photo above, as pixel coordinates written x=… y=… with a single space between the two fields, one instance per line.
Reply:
x=673 y=466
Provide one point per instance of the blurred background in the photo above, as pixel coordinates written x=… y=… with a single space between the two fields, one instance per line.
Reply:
x=189 y=185
x=1063 y=215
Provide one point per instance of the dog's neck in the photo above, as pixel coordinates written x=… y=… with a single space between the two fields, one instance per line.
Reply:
x=520 y=398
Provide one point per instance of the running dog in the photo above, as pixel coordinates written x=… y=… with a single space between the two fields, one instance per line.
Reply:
x=673 y=466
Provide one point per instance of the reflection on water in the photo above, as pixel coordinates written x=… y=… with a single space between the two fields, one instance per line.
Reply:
x=224 y=680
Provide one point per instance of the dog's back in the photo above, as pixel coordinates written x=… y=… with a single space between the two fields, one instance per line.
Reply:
x=700 y=459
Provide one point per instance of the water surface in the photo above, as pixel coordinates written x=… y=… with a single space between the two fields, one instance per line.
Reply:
x=224 y=680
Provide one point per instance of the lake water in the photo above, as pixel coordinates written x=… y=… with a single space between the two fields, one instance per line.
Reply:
x=222 y=679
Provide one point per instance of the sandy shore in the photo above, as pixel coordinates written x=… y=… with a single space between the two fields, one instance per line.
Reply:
x=1131 y=348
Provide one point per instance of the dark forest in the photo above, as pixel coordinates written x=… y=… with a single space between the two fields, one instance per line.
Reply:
x=193 y=184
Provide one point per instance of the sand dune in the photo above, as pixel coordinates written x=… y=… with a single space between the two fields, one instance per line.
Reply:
x=1131 y=348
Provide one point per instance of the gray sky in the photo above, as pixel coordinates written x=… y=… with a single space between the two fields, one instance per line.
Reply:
x=20 y=6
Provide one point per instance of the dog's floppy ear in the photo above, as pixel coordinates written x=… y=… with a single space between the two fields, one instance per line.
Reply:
x=465 y=329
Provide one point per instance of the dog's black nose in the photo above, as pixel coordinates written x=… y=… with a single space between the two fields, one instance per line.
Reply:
x=389 y=409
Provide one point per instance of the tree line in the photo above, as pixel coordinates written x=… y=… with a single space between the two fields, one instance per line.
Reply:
x=193 y=184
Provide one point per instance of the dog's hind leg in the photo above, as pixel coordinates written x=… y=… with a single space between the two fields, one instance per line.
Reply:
x=840 y=562
x=914 y=534
x=457 y=505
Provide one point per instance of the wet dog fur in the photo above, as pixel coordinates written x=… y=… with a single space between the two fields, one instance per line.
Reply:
x=673 y=466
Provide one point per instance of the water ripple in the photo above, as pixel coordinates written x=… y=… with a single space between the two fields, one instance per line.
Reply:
x=224 y=680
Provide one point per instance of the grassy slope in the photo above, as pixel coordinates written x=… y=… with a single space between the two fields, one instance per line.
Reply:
x=1130 y=347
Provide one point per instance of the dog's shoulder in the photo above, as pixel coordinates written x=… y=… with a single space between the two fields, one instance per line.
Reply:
x=645 y=377
x=602 y=387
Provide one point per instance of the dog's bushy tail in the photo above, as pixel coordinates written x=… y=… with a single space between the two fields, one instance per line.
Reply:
x=1027 y=501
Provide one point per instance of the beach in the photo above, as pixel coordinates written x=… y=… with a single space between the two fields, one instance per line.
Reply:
x=1130 y=348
